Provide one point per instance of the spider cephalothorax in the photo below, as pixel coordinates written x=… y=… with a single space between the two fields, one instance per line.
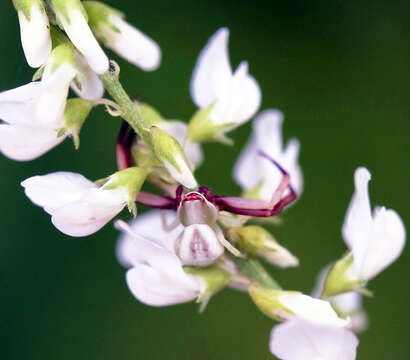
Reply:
x=202 y=240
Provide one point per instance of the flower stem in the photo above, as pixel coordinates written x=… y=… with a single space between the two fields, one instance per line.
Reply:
x=129 y=109
x=254 y=270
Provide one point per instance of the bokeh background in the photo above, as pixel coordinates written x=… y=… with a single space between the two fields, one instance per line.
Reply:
x=340 y=72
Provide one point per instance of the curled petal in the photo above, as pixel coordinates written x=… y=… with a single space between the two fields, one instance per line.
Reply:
x=299 y=339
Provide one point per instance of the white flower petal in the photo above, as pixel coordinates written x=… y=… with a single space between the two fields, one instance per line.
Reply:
x=183 y=175
x=89 y=213
x=55 y=190
x=381 y=247
x=35 y=36
x=299 y=339
x=358 y=216
x=24 y=143
x=251 y=169
x=213 y=73
x=132 y=44
x=178 y=130
x=156 y=288
x=80 y=34
x=92 y=87
x=310 y=308
x=149 y=226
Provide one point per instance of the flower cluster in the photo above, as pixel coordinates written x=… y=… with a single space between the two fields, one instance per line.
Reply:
x=195 y=243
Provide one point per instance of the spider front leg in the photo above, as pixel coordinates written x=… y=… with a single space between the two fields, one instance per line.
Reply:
x=260 y=208
x=125 y=140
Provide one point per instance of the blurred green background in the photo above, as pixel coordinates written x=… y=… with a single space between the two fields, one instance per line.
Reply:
x=340 y=72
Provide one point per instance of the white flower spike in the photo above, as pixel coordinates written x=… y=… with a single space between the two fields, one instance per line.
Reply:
x=299 y=339
x=375 y=239
x=33 y=113
x=77 y=205
x=256 y=174
x=226 y=99
x=73 y=18
x=34 y=31
x=130 y=43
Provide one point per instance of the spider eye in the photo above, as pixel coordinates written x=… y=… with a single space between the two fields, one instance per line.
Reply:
x=198 y=245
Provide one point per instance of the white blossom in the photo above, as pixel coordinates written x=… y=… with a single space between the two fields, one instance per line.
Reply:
x=33 y=114
x=34 y=32
x=78 y=207
x=253 y=171
x=299 y=339
x=234 y=96
x=375 y=239
x=156 y=276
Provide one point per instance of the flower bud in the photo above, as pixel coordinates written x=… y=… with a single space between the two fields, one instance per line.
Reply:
x=172 y=156
x=198 y=245
x=255 y=240
x=212 y=279
x=75 y=113
x=34 y=31
x=283 y=305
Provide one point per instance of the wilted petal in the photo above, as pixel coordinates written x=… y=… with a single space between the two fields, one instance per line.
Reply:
x=55 y=190
x=212 y=74
x=24 y=142
x=35 y=35
x=299 y=339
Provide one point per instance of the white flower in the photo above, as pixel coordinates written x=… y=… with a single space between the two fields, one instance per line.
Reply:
x=254 y=172
x=33 y=114
x=234 y=97
x=156 y=276
x=124 y=39
x=72 y=17
x=34 y=31
x=77 y=205
x=299 y=339
x=375 y=239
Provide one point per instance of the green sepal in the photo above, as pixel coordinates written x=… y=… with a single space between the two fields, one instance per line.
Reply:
x=63 y=53
x=267 y=301
x=58 y=38
x=99 y=16
x=131 y=179
x=337 y=279
x=202 y=129
x=212 y=278
x=150 y=115
x=166 y=148
x=39 y=73
x=253 y=239
x=62 y=8
x=75 y=114
x=25 y=6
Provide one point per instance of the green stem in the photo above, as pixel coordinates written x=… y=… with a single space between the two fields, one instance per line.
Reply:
x=254 y=270
x=129 y=109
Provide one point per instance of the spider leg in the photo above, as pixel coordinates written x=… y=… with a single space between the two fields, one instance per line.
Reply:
x=171 y=226
x=156 y=201
x=221 y=238
x=125 y=139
